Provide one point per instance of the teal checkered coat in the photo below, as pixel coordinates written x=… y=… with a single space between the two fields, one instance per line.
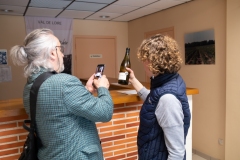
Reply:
x=66 y=113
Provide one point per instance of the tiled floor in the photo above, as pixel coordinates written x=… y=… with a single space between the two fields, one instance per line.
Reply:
x=197 y=157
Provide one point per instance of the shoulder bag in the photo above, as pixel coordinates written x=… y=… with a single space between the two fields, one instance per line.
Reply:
x=32 y=143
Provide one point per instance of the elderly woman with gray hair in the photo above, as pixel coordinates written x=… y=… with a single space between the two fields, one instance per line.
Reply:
x=66 y=110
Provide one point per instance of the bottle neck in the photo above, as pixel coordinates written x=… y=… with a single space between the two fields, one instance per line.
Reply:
x=127 y=53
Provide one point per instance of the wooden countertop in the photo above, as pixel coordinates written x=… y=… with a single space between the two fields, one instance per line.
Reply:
x=14 y=107
x=115 y=86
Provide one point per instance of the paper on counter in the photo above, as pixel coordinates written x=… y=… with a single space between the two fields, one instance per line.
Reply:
x=120 y=84
x=128 y=92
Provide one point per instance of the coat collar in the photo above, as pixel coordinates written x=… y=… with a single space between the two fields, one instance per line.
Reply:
x=160 y=79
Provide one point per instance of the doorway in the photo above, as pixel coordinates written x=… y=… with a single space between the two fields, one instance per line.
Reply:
x=89 y=51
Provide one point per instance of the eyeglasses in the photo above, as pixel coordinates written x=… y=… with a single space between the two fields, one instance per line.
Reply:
x=61 y=48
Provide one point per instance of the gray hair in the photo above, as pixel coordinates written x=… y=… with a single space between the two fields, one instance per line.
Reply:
x=35 y=52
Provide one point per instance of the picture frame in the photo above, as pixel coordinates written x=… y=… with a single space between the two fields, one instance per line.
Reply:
x=200 y=48
x=3 y=57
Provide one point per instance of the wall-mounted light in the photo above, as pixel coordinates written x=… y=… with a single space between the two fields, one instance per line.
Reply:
x=104 y=17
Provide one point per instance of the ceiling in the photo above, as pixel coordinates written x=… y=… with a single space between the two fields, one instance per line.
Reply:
x=104 y=10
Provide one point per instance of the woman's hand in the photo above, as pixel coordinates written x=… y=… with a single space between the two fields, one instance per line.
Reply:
x=134 y=81
x=89 y=84
x=131 y=76
x=101 y=82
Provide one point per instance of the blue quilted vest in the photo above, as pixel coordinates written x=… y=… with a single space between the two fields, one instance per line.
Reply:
x=150 y=140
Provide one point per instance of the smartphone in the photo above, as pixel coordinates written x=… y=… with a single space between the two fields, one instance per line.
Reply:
x=99 y=70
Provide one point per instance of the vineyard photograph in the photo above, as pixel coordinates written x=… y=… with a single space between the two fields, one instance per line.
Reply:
x=200 y=48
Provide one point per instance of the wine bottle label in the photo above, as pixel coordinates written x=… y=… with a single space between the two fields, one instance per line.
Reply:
x=122 y=75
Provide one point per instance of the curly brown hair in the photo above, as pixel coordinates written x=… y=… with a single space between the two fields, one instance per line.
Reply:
x=162 y=54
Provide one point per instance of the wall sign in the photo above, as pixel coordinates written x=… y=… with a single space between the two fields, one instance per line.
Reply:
x=95 y=55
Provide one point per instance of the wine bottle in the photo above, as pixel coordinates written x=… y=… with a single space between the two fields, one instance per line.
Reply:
x=123 y=77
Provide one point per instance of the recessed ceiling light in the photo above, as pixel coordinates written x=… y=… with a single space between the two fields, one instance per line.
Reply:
x=6 y=10
x=104 y=16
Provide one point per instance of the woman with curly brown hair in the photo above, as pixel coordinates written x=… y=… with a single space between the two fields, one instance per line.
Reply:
x=165 y=115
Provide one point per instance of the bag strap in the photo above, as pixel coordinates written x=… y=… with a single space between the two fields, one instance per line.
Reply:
x=34 y=93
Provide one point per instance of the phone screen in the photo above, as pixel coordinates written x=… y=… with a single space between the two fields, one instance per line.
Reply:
x=99 y=70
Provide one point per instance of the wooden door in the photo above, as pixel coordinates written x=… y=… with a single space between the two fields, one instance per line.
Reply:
x=166 y=31
x=89 y=51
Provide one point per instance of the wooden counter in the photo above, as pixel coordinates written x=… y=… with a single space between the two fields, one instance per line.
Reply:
x=14 y=107
x=115 y=86
x=118 y=136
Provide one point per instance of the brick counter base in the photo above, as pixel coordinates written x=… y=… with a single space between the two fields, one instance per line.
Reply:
x=118 y=136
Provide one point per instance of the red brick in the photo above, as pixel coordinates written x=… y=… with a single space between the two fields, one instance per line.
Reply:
x=104 y=124
x=132 y=134
x=12 y=151
x=121 y=110
x=133 y=114
x=11 y=157
x=124 y=141
x=120 y=157
x=125 y=131
x=132 y=144
x=131 y=158
x=103 y=135
x=124 y=151
x=11 y=145
x=116 y=116
x=112 y=138
x=7 y=119
x=8 y=125
x=23 y=137
x=132 y=124
x=108 y=154
x=113 y=148
x=20 y=124
x=8 y=139
x=10 y=132
x=129 y=120
x=132 y=154
x=113 y=128
x=106 y=144
x=119 y=105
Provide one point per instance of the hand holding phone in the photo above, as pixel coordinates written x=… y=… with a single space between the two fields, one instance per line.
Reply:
x=101 y=82
x=98 y=73
x=89 y=85
x=99 y=70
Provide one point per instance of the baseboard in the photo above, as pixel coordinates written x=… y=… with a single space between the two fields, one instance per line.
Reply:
x=203 y=155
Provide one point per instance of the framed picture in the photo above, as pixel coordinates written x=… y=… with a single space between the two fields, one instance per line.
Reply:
x=200 y=48
x=3 y=57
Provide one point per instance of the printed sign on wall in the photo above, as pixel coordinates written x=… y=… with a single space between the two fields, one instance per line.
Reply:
x=3 y=57
x=95 y=55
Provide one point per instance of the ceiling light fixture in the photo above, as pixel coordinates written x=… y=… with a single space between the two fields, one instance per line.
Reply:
x=6 y=10
x=104 y=17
